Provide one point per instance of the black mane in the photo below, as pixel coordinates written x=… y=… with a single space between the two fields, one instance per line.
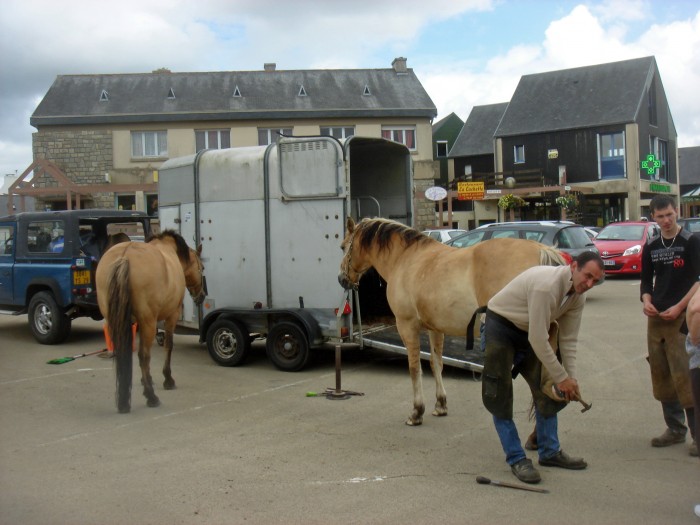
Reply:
x=381 y=231
x=182 y=250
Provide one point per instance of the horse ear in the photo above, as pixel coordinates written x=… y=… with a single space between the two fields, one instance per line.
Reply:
x=350 y=224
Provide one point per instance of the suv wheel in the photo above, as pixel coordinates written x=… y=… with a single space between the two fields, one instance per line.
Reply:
x=46 y=319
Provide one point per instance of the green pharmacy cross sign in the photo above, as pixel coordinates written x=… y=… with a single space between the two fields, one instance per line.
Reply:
x=651 y=164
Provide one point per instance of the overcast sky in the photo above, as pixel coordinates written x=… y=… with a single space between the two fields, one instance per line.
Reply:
x=465 y=52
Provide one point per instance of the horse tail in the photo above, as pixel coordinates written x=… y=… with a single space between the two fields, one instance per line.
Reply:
x=119 y=324
x=550 y=256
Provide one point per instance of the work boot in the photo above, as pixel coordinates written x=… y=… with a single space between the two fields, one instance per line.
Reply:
x=668 y=438
x=525 y=472
x=563 y=460
x=531 y=443
x=693 y=450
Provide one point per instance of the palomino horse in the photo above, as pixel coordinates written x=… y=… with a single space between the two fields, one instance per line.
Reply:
x=145 y=283
x=434 y=286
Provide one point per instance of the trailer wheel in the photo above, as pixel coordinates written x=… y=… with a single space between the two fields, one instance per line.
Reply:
x=47 y=321
x=287 y=346
x=227 y=342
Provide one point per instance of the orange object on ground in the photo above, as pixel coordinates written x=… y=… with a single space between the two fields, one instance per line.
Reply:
x=108 y=340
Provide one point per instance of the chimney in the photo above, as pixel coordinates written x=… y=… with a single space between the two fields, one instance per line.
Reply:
x=270 y=66
x=399 y=65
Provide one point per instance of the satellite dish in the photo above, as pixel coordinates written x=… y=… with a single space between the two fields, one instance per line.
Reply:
x=435 y=193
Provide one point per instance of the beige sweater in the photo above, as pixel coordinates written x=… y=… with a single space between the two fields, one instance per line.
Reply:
x=532 y=301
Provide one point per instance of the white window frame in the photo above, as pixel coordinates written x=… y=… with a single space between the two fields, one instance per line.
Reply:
x=441 y=144
x=271 y=135
x=612 y=153
x=149 y=144
x=224 y=134
x=519 y=154
x=401 y=135
x=339 y=132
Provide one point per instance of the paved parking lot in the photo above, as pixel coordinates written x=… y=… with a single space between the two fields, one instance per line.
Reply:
x=245 y=445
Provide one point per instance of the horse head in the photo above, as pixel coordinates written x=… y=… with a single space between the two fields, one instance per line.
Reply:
x=194 y=276
x=354 y=257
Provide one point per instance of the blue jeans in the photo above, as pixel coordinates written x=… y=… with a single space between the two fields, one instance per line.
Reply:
x=547 y=437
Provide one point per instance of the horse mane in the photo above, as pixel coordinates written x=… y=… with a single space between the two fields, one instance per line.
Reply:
x=381 y=231
x=550 y=256
x=181 y=248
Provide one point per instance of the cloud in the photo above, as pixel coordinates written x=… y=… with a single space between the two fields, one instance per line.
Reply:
x=583 y=38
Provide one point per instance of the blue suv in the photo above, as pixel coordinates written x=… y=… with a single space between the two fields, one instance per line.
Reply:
x=48 y=261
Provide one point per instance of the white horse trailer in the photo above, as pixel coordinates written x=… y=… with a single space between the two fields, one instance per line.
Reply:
x=271 y=220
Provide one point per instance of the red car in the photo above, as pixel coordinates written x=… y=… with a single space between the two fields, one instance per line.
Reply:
x=620 y=245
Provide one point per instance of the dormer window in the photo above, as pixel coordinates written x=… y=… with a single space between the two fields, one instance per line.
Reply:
x=366 y=92
x=236 y=92
x=171 y=94
x=302 y=91
x=104 y=96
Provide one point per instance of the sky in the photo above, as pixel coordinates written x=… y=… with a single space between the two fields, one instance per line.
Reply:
x=465 y=52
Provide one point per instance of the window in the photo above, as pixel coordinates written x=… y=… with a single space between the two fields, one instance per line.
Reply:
x=402 y=135
x=45 y=237
x=659 y=148
x=212 y=139
x=149 y=144
x=651 y=101
x=611 y=152
x=441 y=148
x=6 y=239
x=519 y=154
x=338 y=132
x=269 y=135
x=126 y=201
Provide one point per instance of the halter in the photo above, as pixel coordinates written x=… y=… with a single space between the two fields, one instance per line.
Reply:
x=198 y=298
x=347 y=265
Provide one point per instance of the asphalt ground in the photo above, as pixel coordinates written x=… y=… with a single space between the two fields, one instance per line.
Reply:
x=246 y=445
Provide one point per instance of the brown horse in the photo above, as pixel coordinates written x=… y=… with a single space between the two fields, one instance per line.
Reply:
x=145 y=283
x=434 y=286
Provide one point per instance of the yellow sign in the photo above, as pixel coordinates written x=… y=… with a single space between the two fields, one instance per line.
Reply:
x=470 y=191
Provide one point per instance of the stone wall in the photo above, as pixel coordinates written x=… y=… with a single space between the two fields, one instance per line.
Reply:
x=84 y=157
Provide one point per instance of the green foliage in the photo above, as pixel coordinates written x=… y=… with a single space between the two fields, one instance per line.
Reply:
x=510 y=201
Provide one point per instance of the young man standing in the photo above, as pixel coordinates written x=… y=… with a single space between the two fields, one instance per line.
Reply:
x=670 y=270
x=518 y=320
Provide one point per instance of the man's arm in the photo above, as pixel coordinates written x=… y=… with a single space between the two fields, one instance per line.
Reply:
x=692 y=317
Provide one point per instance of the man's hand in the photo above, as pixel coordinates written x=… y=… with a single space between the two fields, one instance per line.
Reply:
x=569 y=389
x=671 y=314
x=649 y=309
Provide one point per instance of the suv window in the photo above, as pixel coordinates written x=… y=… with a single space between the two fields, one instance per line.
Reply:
x=533 y=236
x=45 y=237
x=6 y=240
x=513 y=234
x=572 y=238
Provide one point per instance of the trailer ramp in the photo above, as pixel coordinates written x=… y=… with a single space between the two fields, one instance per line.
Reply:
x=455 y=353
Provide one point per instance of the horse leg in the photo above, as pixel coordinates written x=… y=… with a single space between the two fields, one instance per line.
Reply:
x=437 y=340
x=410 y=336
x=169 y=383
x=148 y=334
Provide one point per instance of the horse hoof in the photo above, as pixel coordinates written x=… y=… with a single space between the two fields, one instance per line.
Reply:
x=153 y=402
x=414 y=422
x=440 y=412
x=169 y=385
x=124 y=410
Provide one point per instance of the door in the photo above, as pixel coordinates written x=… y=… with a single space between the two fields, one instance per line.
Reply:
x=7 y=259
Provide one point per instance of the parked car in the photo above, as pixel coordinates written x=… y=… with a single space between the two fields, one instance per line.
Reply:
x=568 y=237
x=691 y=224
x=444 y=235
x=591 y=231
x=48 y=260
x=620 y=245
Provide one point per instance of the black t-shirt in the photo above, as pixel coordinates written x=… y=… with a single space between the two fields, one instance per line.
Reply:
x=668 y=273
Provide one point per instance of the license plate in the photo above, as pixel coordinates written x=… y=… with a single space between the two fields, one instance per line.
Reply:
x=81 y=277
x=609 y=262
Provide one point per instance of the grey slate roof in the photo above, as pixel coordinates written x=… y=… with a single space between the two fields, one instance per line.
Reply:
x=75 y=99
x=689 y=165
x=577 y=98
x=476 y=137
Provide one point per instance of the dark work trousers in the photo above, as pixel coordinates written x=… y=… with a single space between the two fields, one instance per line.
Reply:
x=508 y=352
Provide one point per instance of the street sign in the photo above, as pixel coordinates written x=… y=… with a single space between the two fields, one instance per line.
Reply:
x=435 y=193
x=470 y=191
